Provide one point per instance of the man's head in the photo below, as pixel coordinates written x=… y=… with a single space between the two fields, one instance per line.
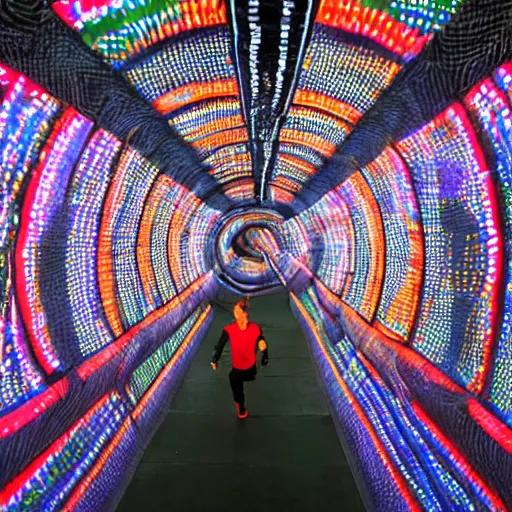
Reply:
x=241 y=314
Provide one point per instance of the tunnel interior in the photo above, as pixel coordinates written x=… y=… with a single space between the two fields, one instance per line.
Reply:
x=156 y=154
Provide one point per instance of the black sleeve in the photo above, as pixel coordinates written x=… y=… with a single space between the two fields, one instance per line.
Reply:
x=264 y=353
x=217 y=351
x=260 y=336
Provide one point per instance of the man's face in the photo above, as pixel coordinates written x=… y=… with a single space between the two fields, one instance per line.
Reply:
x=241 y=317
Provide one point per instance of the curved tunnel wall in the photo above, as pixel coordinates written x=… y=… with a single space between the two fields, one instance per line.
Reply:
x=396 y=252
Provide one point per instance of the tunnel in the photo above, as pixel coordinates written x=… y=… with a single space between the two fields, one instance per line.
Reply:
x=345 y=164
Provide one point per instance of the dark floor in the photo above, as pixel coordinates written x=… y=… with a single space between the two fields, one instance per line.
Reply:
x=285 y=456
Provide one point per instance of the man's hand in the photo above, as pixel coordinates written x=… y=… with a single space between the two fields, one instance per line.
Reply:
x=264 y=361
x=214 y=366
x=262 y=345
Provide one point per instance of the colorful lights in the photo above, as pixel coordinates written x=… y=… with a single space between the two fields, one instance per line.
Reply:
x=79 y=210
x=120 y=29
x=390 y=181
x=367 y=275
x=192 y=69
x=490 y=107
x=45 y=484
x=425 y=15
x=88 y=186
x=456 y=198
x=358 y=17
x=130 y=186
x=349 y=74
x=192 y=82
x=404 y=268
x=44 y=199
x=25 y=116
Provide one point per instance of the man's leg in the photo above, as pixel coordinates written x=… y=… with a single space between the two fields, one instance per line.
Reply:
x=237 y=387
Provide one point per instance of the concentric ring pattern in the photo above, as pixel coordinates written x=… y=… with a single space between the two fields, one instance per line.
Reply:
x=150 y=157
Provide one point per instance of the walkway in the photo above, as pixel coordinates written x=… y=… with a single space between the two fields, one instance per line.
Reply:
x=285 y=456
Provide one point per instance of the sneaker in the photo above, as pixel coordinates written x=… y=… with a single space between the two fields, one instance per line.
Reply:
x=241 y=415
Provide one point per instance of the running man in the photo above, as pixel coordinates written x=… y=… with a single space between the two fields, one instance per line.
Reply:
x=245 y=338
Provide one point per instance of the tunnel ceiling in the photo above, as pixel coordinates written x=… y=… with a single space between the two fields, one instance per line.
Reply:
x=356 y=152
x=266 y=93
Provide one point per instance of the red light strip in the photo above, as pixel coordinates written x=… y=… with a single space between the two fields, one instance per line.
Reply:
x=219 y=125
x=57 y=446
x=22 y=284
x=371 y=370
x=491 y=425
x=388 y=332
x=365 y=200
x=105 y=266
x=195 y=92
x=327 y=104
x=242 y=189
x=9 y=77
x=280 y=195
x=321 y=145
x=495 y=281
x=469 y=473
x=217 y=140
x=29 y=411
x=306 y=167
x=350 y=16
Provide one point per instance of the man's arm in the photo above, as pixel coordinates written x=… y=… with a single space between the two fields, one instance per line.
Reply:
x=263 y=347
x=217 y=351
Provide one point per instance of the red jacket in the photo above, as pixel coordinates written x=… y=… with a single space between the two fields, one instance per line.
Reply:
x=243 y=344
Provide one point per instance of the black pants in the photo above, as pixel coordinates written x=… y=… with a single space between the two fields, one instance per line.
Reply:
x=236 y=380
